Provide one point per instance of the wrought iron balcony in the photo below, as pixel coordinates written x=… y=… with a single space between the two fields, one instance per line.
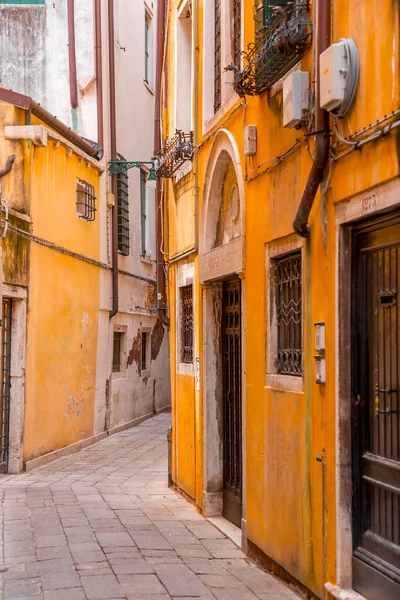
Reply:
x=175 y=153
x=283 y=36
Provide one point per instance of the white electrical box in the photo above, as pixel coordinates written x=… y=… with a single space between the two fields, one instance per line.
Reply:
x=332 y=75
x=320 y=370
x=250 y=140
x=296 y=98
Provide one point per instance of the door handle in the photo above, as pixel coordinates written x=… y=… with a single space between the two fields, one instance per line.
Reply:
x=386 y=411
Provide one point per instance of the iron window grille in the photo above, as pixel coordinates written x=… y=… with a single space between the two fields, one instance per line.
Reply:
x=143 y=212
x=289 y=313
x=283 y=35
x=187 y=324
x=217 y=55
x=117 y=345
x=144 y=365
x=85 y=200
x=237 y=32
x=123 y=211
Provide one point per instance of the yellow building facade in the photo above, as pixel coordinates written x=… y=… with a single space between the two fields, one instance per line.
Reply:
x=284 y=363
x=50 y=286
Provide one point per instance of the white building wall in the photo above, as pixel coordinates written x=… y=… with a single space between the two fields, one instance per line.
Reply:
x=36 y=64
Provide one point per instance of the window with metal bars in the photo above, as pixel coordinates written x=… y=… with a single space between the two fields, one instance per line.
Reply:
x=123 y=211
x=143 y=211
x=187 y=324
x=117 y=346
x=237 y=31
x=144 y=347
x=147 y=49
x=287 y=272
x=85 y=200
x=266 y=9
x=217 y=55
x=5 y=384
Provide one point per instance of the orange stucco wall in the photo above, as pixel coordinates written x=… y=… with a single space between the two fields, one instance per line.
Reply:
x=290 y=496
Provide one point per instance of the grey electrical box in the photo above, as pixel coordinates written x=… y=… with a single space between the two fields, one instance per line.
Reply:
x=296 y=93
x=250 y=140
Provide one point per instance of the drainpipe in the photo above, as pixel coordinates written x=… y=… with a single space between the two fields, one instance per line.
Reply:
x=99 y=78
x=161 y=281
x=113 y=139
x=300 y=223
x=73 y=84
x=8 y=167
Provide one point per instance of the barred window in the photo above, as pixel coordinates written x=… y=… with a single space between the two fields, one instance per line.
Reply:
x=237 y=31
x=144 y=351
x=187 y=324
x=117 y=346
x=217 y=55
x=85 y=200
x=123 y=211
x=289 y=313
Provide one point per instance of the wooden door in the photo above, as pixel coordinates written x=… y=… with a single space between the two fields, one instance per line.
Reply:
x=376 y=410
x=232 y=402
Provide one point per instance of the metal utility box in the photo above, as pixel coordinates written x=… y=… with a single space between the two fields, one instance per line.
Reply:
x=296 y=98
x=250 y=140
x=332 y=75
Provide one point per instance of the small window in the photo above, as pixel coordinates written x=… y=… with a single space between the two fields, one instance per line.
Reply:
x=237 y=31
x=148 y=49
x=144 y=349
x=85 y=200
x=123 y=211
x=117 y=348
x=289 y=313
x=187 y=324
x=144 y=215
x=217 y=56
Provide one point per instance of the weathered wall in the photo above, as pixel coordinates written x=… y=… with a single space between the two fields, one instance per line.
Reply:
x=34 y=58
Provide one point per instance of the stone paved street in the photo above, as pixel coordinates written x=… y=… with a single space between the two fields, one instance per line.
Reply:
x=102 y=524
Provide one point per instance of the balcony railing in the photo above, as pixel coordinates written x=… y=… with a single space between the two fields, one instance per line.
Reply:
x=283 y=36
x=175 y=153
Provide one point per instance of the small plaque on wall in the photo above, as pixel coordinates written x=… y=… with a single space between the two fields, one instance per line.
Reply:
x=197 y=373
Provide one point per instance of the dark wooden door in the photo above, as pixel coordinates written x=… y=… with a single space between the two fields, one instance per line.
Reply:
x=232 y=402
x=5 y=382
x=376 y=410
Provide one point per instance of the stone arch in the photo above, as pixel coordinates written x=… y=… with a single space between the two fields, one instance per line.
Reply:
x=224 y=157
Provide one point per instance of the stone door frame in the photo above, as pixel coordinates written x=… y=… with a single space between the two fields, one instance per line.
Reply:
x=217 y=264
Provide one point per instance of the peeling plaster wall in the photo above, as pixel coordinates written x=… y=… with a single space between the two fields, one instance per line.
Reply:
x=34 y=58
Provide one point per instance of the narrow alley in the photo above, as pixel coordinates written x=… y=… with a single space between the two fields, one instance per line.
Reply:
x=102 y=524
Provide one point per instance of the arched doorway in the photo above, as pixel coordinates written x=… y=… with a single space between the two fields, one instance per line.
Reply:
x=222 y=276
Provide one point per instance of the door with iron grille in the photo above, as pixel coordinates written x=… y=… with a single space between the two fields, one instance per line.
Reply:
x=232 y=402
x=376 y=410
x=5 y=383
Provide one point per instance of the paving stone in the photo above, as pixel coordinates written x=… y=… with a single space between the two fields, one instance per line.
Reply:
x=102 y=525
x=71 y=594
x=101 y=587
x=180 y=580
x=141 y=584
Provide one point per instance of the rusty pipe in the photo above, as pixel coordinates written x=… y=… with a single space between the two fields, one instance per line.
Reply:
x=99 y=78
x=161 y=280
x=113 y=141
x=8 y=167
x=300 y=223
x=73 y=84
